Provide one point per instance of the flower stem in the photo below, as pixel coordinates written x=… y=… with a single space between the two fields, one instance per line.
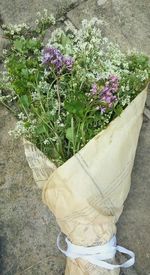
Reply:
x=58 y=95
x=8 y=107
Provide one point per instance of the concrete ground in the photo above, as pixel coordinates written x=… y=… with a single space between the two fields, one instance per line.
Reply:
x=28 y=230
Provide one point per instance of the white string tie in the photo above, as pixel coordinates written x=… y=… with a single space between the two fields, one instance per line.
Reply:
x=97 y=255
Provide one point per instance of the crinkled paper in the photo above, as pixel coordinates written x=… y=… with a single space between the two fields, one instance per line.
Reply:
x=86 y=194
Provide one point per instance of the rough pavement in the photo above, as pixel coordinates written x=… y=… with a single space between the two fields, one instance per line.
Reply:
x=28 y=230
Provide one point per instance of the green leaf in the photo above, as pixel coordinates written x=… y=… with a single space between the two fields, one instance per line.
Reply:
x=19 y=44
x=24 y=73
x=41 y=129
x=118 y=110
x=65 y=40
x=25 y=101
x=75 y=107
x=32 y=44
x=69 y=134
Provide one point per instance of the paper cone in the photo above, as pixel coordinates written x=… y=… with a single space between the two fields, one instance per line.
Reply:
x=86 y=194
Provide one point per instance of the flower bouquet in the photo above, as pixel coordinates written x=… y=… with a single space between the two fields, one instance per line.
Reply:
x=79 y=101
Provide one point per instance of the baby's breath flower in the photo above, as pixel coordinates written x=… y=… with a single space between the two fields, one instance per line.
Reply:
x=35 y=96
x=62 y=125
x=45 y=11
x=4 y=51
x=46 y=141
x=54 y=139
x=38 y=13
x=125 y=100
x=22 y=116
x=19 y=130
x=55 y=36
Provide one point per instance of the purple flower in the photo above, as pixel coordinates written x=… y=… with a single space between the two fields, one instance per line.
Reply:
x=107 y=95
x=107 y=99
x=114 y=83
x=68 y=61
x=113 y=78
x=46 y=57
x=49 y=54
x=103 y=110
x=52 y=56
x=94 y=89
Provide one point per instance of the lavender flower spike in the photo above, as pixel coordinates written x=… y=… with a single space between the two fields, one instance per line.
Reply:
x=53 y=57
x=103 y=110
x=107 y=95
x=94 y=89
x=68 y=61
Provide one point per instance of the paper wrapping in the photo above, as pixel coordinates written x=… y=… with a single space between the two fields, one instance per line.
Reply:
x=86 y=194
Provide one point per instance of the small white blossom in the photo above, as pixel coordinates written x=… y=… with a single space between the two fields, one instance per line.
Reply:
x=22 y=116
x=35 y=96
x=46 y=141
x=4 y=51
x=125 y=101
x=19 y=130
x=61 y=125
x=38 y=13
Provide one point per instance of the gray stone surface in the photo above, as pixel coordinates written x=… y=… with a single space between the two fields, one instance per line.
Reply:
x=127 y=22
x=28 y=230
x=20 y=11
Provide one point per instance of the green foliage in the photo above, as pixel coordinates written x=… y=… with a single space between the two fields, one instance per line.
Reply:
x=139 y=61
x=58 y=112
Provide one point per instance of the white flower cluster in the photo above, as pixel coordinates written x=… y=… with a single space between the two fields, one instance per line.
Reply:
x=22 y=116
x=54 y=108
x=21 y=130
x=102 y=57
x=35 y=96
x=125 y=100
x=8 y=98
x=14 y=29
x=4 y=51
x=55 y=36
x=142 y=75
x=45 y=18
x=5 y=77
x=59 y=122
x=46 y=141
x=43 y=86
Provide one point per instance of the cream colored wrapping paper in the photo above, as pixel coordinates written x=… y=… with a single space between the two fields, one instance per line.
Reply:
x=86 y=194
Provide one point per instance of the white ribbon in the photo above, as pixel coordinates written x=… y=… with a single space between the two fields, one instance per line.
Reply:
x=97 y=255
